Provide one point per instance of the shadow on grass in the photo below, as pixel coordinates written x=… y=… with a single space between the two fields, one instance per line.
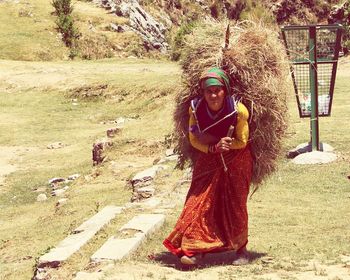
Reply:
x=209 y=260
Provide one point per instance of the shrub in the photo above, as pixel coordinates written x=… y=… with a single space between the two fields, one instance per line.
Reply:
x=341 y=14
x=178 y=41
x=62 y=7
x=65 y=24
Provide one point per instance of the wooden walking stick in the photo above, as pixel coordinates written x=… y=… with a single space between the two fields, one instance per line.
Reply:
x=229 y=134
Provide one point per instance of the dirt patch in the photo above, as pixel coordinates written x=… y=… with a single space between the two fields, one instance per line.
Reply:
x=9 y=158
x=313 y=271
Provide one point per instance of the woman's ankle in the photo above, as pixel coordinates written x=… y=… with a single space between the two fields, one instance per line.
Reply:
x=242 y=251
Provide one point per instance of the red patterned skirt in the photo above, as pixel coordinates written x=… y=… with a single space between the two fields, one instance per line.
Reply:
x=215 y=216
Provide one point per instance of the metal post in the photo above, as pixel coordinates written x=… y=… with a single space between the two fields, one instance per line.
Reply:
x=315 y=143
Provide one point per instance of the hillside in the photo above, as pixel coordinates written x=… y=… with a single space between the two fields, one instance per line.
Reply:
x=117 y=91
x=28 y=29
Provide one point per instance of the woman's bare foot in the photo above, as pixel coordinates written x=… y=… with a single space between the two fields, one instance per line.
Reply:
x=242 y=257
x=191 y=260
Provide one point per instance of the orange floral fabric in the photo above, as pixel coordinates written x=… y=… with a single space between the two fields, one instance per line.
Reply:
x=215 y=215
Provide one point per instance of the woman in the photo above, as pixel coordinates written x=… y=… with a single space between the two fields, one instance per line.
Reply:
x=215 y=218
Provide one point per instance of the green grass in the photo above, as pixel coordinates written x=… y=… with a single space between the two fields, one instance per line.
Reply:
x=33 y=117
x=28 y=32
x=300 y=213
x=25 y=37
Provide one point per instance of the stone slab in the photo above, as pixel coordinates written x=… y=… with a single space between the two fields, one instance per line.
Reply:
x=79 y=237
x=119 y=248
x=145 y=175
x=146 y=223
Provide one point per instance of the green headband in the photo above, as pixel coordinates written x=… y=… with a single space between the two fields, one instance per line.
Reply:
x=211 y=82
x=215 y=77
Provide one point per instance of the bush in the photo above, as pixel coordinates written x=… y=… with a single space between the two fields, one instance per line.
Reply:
x=65 y=23
x=178 y=41
x=341 y=14
x=62 y=7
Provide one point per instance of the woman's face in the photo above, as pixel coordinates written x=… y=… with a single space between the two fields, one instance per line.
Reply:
x=214 y=95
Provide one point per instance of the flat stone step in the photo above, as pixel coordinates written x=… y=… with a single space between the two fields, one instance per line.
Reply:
x=79 y=237
x=119 y=248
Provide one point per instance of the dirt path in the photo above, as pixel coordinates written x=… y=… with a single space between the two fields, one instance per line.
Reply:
x=211 y=270
x=10 y=159
x=7 y=156
x=16 y=75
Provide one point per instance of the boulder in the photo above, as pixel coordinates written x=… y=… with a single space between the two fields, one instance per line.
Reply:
x=141 y=22
x=98 y=151
x=73 y=177
x=111 y=132
x=56 y=180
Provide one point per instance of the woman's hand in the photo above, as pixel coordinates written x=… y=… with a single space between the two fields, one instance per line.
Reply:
x=222 y=146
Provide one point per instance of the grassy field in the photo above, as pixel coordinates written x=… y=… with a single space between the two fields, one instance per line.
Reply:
x=51 y=107
x=28 y=32
x=301 y=213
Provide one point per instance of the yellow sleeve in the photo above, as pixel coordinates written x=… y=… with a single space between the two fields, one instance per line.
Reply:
x=241 y=136
x=193 y=139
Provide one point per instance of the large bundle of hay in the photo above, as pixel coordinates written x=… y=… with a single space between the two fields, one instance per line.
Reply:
x=254 y=58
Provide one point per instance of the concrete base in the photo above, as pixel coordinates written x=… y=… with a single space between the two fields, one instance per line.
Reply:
x=303 y=154
x=315 y=157
x=306 y=148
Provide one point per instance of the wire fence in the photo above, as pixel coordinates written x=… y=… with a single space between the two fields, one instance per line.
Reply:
x=298 y=50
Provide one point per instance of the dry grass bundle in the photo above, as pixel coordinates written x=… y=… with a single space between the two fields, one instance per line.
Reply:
x=255 y=60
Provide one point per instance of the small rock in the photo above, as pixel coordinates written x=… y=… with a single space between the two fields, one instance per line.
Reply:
x=144 y=176
x=56 y=145
x=117 y=28
x=169 y=152
x=120 y=120
x=40 y=274
x=168 y=159
x=56 y=180
x=150 y=190
x=73 y=177
x=113 y=132
x=66 y=188
x=58 y=192
x=142 y=193
x=61 y=202
x=41 y=197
